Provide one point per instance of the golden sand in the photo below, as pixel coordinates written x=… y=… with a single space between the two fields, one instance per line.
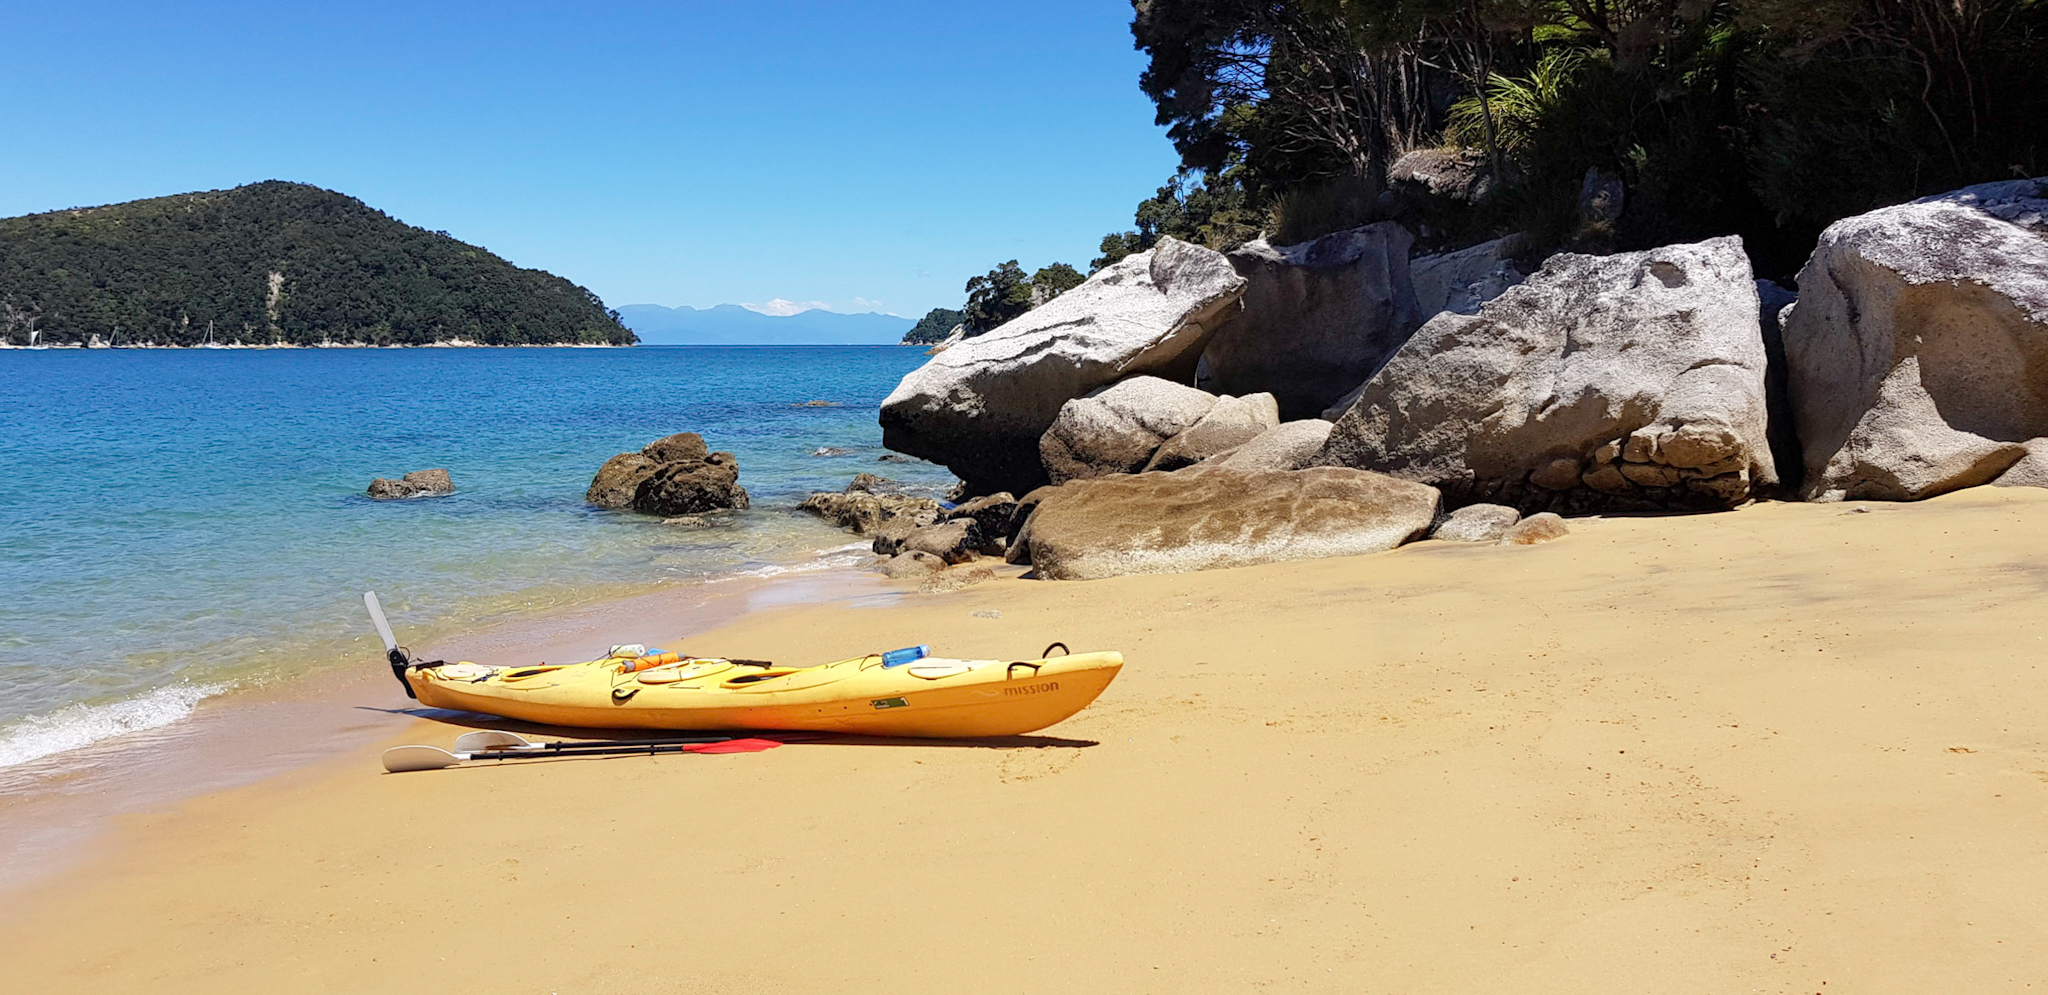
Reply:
x=1793 y=748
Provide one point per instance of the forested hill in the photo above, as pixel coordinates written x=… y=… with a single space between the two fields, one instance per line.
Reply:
x=274 y=262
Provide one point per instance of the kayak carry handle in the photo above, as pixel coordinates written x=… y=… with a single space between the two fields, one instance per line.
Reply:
x=1064 y=651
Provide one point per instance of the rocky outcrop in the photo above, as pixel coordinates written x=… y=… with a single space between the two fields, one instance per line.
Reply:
x=1117 y=429
x=1477 y=523
x=871 y=504
x=1231 y=423
x=1540 y=527
x=981 y=406
x=419 y=483
x=1287 y=446
x=2031 y=470
x=1318 y=318
x=1209 y=517
x=1632 y=381
x=1918 y=348
x=673 y=475
x=1464 y=280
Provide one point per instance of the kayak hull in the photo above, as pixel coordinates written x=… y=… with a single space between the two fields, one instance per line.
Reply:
x=930 y=698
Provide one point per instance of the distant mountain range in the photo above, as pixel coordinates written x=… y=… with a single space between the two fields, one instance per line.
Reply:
x=731 y=324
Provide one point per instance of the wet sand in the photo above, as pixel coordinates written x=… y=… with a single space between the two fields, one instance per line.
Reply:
x=1793 y=748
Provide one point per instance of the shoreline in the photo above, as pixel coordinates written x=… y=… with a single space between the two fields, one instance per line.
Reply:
x=271 y=728
x=1772 y=747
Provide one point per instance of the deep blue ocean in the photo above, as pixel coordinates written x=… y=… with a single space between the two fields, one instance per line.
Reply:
x=176 y=522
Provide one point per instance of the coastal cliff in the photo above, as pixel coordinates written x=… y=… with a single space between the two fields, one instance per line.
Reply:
x=274 y=263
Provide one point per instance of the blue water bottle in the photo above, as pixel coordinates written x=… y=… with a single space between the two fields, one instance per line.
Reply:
x=909 y=654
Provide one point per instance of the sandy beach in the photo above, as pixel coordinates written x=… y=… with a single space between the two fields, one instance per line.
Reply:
x=1789 y=748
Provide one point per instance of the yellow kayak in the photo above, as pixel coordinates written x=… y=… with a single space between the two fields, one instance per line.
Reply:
x=926 y=697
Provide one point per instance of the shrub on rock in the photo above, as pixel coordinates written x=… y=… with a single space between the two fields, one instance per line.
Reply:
x=1631 y=381
x=1919 y=343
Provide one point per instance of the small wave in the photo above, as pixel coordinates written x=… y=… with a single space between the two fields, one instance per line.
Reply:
x=75 y=726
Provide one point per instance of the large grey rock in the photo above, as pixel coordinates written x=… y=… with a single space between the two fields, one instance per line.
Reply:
x=673 y=475
x=1206 y=517
x=1477 y=523
x=1631 y=381
x=1919 y=345
x=1231 y=423
x=1287 y=446
x=2031 y=470
x=1464 y=280
x=1318 y=318
x=1118 y=428
x=981 y=406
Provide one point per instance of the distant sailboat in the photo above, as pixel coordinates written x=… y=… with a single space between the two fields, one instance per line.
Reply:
x=210 y=343
x=33 y=335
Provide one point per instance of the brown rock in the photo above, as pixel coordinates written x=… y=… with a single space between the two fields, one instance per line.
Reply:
x=956 y=579
x=676 y=448
x=912 y=564
x=955 y=541
x=1541 y=527
x=419 y=483
x=673 y=475
x=1206 y=517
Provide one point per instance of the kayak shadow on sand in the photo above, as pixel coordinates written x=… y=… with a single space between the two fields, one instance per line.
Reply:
x=477 y=720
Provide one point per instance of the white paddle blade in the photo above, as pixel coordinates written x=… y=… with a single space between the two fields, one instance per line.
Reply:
x=492 y=739
x=377 y=616
x=400 y=759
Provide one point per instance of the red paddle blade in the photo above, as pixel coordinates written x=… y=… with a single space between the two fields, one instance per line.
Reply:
x=734 y=746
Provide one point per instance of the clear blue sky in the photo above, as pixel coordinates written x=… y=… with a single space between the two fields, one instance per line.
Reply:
x=856 y=154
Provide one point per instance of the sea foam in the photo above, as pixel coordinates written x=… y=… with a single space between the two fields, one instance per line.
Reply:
x=74 y=726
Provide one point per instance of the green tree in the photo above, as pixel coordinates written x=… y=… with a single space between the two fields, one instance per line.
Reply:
x=998 y=296
x=1053 y=280
x=933 y=328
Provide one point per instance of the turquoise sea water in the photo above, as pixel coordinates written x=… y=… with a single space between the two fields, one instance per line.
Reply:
x=175 y=522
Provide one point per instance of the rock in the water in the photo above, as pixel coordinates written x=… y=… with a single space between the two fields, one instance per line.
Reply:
x=1206 y=517
x=1464 y=280
x=912 y=564
x=871 y=503
x=1233 y=422
x=1318 y=318
x=981 y=406
x=1541 y=527
x=954 y=541
x=673 y=475
x=1118 y=428
x=1478 y=523
x=419 y=483
x=677 y=448
x=1919 y=343
x=1287 y=446
x=1625 y=382
x=691 y=486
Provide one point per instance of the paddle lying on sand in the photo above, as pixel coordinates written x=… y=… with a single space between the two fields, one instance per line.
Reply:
x=490 y=745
